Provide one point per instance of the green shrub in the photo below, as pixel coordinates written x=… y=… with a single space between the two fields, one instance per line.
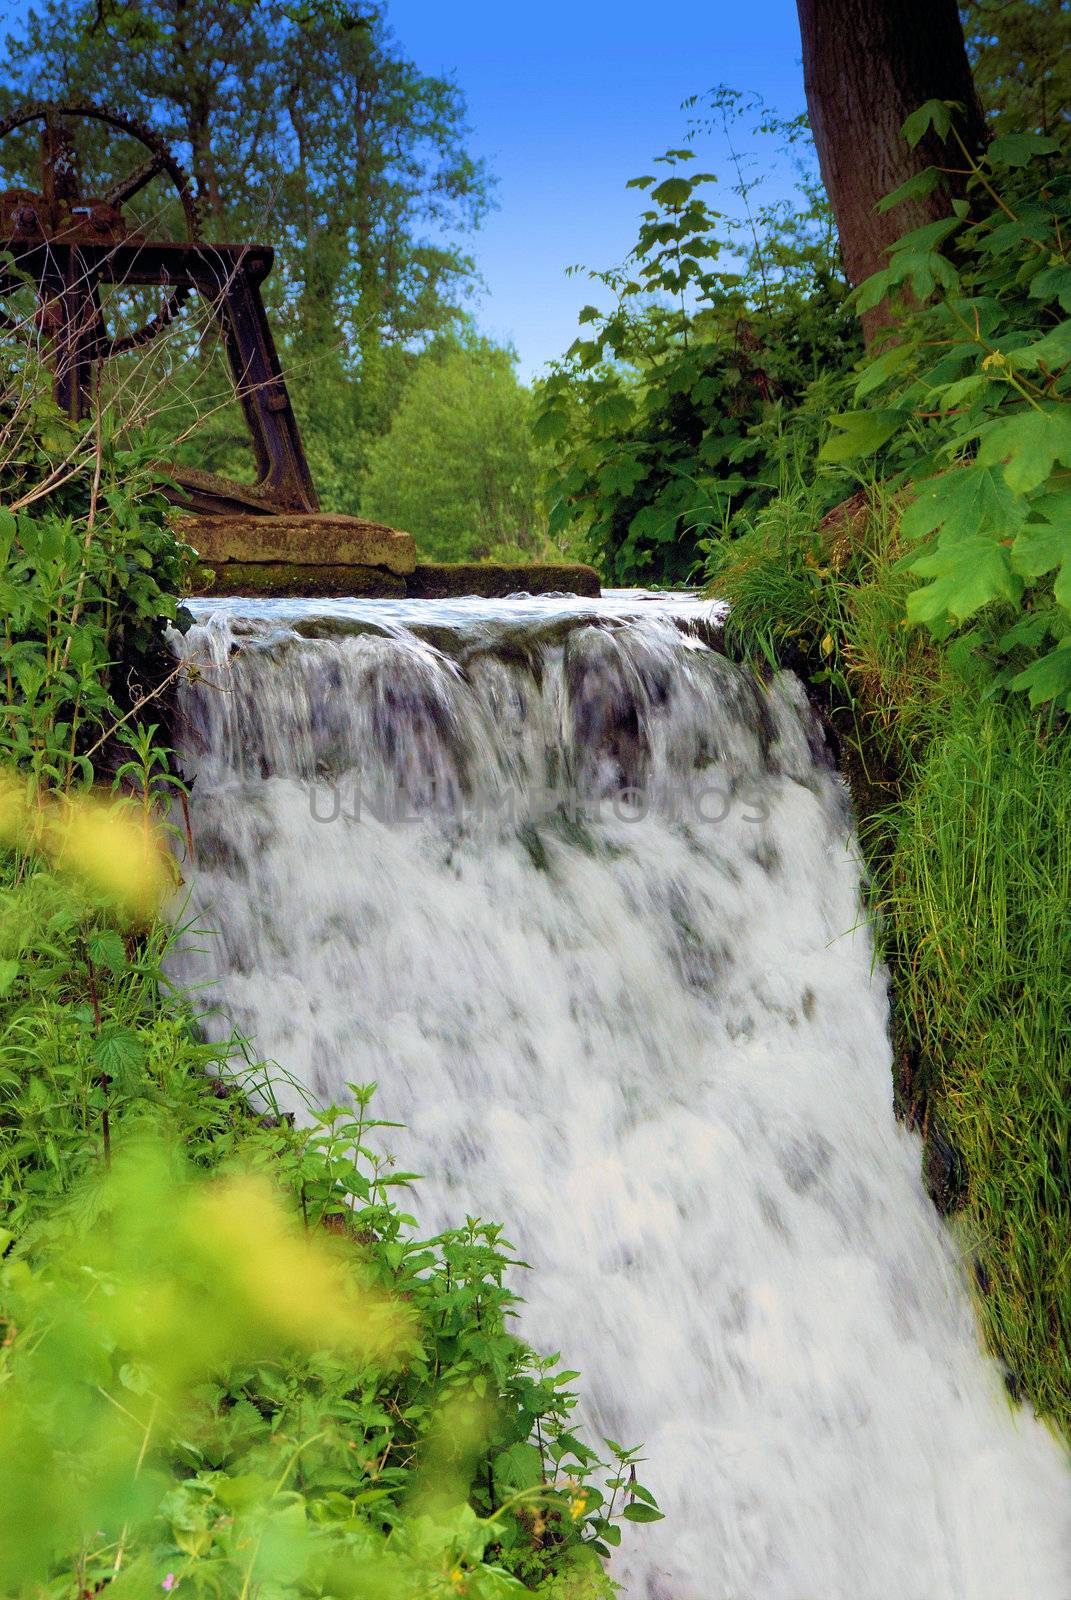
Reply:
x=969 y=407
x=660 y=416
x=458 y=468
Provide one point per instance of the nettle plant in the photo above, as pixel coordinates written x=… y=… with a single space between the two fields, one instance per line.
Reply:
x=969 y=406
x=719 y=322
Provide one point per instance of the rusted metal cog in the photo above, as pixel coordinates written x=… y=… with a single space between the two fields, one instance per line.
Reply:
x=58 y=211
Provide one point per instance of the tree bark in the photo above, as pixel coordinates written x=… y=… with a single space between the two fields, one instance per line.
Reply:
x=867 y=64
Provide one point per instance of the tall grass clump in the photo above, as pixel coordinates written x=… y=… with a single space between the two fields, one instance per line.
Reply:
x=975 y=902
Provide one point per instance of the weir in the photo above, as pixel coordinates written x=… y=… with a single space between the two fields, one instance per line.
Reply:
x=582 y=896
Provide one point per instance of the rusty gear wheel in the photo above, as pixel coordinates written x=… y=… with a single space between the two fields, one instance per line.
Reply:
x=49 y=213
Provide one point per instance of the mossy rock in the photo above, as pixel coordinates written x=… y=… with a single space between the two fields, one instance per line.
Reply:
x=430 y=580
x=288 y=578
x=304 y=539
x=494 y=580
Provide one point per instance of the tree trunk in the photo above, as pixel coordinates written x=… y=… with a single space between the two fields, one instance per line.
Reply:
x=867 y=64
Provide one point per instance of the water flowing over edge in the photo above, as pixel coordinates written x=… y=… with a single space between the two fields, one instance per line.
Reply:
x=582 y=896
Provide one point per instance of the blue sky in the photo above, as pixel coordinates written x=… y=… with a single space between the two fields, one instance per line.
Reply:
x=568 y=99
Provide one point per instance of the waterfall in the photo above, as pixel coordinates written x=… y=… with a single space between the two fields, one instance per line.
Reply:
x=582 y=896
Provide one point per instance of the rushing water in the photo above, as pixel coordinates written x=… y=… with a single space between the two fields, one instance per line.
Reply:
x=581 y=895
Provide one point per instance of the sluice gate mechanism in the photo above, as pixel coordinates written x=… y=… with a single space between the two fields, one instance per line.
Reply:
x=70 y=245
x=101 y=247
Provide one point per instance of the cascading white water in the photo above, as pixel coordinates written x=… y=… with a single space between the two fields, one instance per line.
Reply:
x=581 y=895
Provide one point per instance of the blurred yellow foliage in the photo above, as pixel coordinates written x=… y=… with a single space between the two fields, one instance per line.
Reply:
x=179 y=1276
x=113 y=851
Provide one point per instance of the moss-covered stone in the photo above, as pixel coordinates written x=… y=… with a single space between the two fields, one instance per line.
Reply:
x=429 y=580
x=493 y=580
x=286 y=578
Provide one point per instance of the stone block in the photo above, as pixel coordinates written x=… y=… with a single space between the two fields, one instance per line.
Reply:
x=313 y=539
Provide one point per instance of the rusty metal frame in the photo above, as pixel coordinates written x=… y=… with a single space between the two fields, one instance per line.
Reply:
x=68 y=270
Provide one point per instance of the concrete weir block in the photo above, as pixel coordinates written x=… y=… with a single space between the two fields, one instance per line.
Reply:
x=319 y=555
x=298 y=540
x=493 y=580
x=327 y=581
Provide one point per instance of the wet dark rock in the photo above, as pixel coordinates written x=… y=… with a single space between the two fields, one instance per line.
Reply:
x=944 y=1171
x=492 y=580
x=286 y=578
x=605 y=711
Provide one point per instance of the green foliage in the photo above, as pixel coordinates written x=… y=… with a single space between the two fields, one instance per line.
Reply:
x=459 y=468
x=1021 y=58
x=931 y=609
x=970 y=408
x=83 y=577
x=718 y=327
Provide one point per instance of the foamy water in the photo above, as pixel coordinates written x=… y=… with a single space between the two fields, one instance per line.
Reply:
x=582 y=896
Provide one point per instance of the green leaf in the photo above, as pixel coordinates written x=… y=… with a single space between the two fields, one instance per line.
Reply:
x=860 y=433
x=105 y=948
x=9 y=971
x=638 y=1512
x=1049 y=678
x=872 y=291
x=587 y=351
x=1028 y=443
x=611 y=410
x=1053 y=283
x=963 y=502
x=927 y=237
x=916 y=188
x=1061 y=589
x=1030 y=630
x=1017 y=149
x=1053 y=351
x=673 y=191
x=883 y=367
x=118 y=1050
x=953 y=395
x=1007 y=237
x=621 y=475
x=1042 y=545
x=550 y=426
x=519 y=1467
x=967 y=576
x=935 y=114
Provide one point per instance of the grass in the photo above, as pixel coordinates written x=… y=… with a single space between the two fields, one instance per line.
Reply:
x=976 y=901
x=965 y=817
